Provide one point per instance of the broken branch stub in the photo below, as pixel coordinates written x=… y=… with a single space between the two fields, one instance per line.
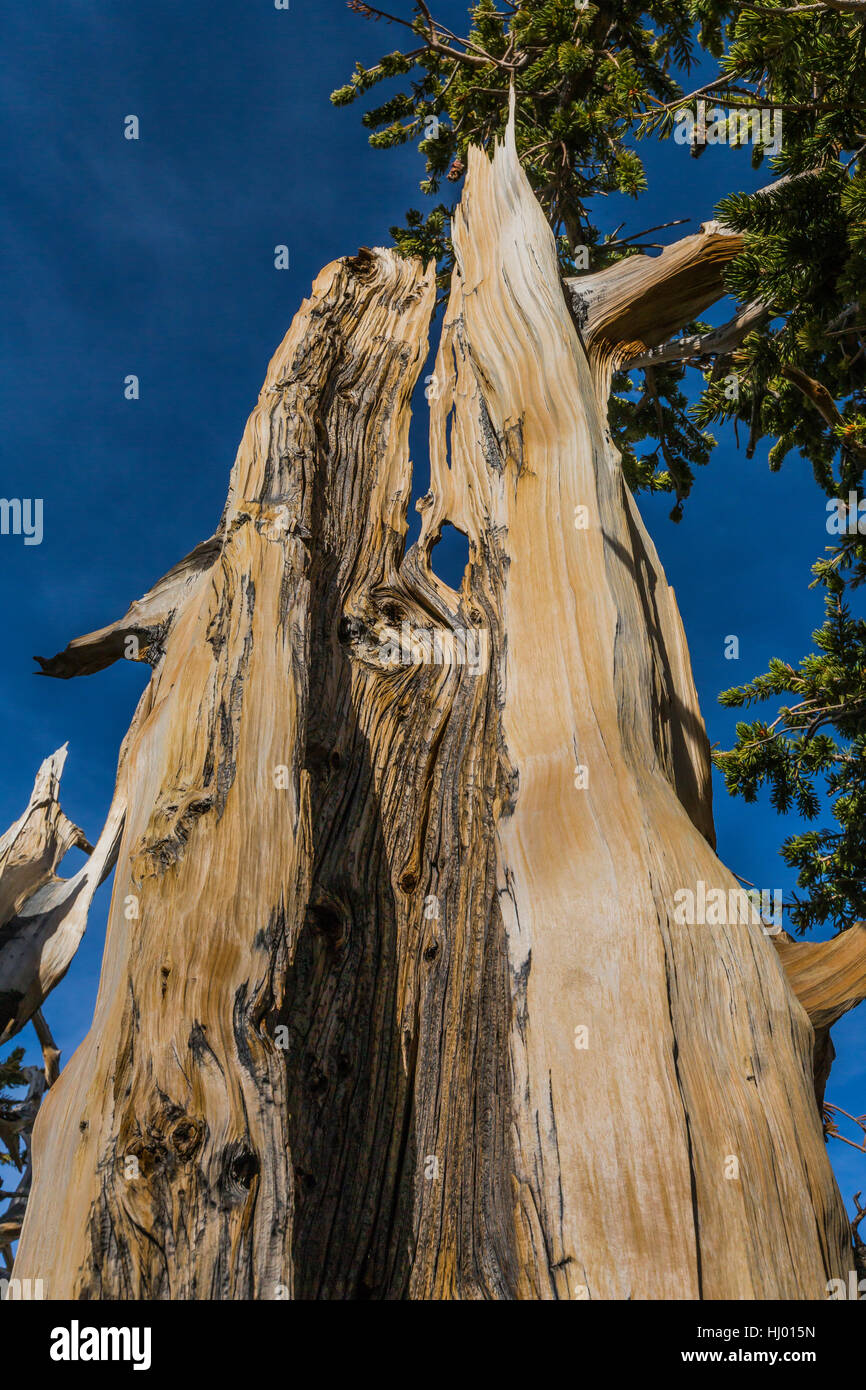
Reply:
x=43 y=916
x=829 y=979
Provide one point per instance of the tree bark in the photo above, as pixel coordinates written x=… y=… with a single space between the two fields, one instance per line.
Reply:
x=395 y=1001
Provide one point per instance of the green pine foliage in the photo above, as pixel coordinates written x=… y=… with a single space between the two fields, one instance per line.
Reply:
x=658 y=410
x=806 y=258
x=816 y=743
x=582 y=77
x=592 y=82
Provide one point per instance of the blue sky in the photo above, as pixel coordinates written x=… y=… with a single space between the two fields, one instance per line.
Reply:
x=156 y=257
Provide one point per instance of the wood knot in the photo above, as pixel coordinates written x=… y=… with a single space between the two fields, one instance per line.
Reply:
x=146 y=1155
x=363 y=265
x=185 y=1138
x=318 y=1082
x=304 y=1179
x=350 y=630
x=330 y=924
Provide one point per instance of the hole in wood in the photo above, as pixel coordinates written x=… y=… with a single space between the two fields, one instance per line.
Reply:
x=449 y=555
x=243 y=1169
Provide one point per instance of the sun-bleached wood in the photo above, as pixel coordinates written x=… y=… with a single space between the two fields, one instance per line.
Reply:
x=829 y=979
x=637 y=304
x=395 y=1000
x=43 y=916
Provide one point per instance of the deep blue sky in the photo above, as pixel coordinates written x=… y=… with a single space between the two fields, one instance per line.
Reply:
x=155 y=257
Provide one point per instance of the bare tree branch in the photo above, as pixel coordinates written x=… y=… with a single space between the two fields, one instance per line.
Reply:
x=43 y=916
x=718 y=342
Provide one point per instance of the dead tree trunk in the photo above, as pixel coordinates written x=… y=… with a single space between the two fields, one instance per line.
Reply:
x=395 y=1002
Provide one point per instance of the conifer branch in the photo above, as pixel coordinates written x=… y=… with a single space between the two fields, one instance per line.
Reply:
x=822 y=400
x=435 y=35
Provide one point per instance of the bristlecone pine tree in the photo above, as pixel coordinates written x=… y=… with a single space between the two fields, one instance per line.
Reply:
x=396 y=1001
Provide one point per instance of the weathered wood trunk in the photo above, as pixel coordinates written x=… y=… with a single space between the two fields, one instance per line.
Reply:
x=395 y=1002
